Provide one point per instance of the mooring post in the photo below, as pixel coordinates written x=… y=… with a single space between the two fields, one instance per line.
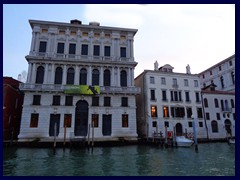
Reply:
x=55 y=134
x=195 y=135
x=92 y=135
x=64 y=141
x=88 y=136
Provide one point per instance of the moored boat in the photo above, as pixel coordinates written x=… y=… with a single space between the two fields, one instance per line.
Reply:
x=182 y=141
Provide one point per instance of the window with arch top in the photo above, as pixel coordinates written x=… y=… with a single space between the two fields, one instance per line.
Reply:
x=70 y=76
x=123 y=78
x=40 y=75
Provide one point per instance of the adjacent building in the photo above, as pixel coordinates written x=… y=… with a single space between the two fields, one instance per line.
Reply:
x=80 y=79
x=221 y=74
x=169 y=100
x=12 y=108
x=219 y=112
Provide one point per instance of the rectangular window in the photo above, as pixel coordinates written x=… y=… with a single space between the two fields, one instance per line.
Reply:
x=95 y=101
x=36 y=99
x=185 y=82
x=84 y=50
x=197 y=97
x=124 y=102
x=210 y=73
x=207 y=116
x=42 y=46
x=166 y=124
x=34 y=120
x=189 y=112
x=165 y=112
x=124 y=120
x=95 y=120
x=154 y=124
x=164 y=95
x=175 y=85
x=67 y=120
x=56 y=100
x=187 y=96
x=72 y=48
x=68 y=100
x=123 y=52
x=60 y=48
x=152 y=80
x=190 y=124
x=220 y=68
x=107 y=51
x=107 y=101
x=163 y=80
x=177 y=112
x=218 y=116
x=230 y=63
x=200 y=124
x=153 y=94
x=176 y=96
x=96 y=50
x=199 y=113
x=195 y=83
x=154 y=111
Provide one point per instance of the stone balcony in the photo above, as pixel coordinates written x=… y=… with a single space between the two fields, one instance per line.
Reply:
x=61 y=88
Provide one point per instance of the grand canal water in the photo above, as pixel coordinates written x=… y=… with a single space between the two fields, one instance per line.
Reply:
x=213 y=159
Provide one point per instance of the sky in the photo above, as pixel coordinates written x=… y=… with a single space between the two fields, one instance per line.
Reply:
x=200 y=35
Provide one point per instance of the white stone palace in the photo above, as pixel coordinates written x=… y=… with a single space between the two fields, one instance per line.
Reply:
x=80 y=79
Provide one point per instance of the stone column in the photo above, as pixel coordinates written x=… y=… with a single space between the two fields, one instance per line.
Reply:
x=132 y=76
x=52 y=74
x=112 y=77
x=64 y=79
x=33 y=79
x=45 y=74
x=37 y=42
x=129 y=77
x=33 y=42
x=29 y=73
x=89 y=75
x=118 y=77
x=76 y=78
x=101 y=76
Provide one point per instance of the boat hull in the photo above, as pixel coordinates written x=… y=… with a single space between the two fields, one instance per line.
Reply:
x=183 y=142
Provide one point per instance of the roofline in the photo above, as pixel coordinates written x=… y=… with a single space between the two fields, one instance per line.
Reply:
x=31 y=22
x=218 y=92
x=217 y=64
x=162 y=72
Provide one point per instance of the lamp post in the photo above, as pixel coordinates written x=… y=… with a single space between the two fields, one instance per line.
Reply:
x=195 y=134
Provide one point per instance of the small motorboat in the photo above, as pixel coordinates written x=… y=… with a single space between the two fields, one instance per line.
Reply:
x=182 y=141
x=231 y=141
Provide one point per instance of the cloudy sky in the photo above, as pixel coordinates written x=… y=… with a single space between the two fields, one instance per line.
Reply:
x=198 y=35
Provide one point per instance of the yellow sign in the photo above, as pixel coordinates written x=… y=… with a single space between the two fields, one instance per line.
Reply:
x=82 y=89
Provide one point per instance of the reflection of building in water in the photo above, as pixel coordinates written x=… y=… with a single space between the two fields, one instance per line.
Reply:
x=66 y=58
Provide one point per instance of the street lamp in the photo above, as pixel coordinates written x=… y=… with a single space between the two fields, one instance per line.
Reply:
x=195 y=134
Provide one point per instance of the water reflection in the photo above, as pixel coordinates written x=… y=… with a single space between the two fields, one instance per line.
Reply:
x=212 y=159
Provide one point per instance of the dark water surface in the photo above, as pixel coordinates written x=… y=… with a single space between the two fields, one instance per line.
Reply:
x=213 y=159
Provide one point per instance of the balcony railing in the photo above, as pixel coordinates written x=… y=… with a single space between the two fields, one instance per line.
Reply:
x=227 y=109
x=175 y=86
x=59 y=87
x=56 y=56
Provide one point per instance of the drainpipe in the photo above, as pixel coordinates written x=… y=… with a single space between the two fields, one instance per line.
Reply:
x=204 y=116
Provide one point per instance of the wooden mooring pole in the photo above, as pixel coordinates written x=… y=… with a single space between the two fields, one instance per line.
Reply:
x=64 y=140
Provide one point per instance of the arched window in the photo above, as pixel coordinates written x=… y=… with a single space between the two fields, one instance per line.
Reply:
x=83 y=77
x=222 y=82
x=216 y=103
x=233 y=77
x=95 y=77
x=58 y=75
x=123 y=78
x=40 y=75
x=214 y=125
x=70 y=76
x=205 y=102
x=232 y=103
x=222 y=104
x=226 y=105
x=107 y=78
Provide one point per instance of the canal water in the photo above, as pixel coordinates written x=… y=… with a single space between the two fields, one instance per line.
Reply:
x=213 y=159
